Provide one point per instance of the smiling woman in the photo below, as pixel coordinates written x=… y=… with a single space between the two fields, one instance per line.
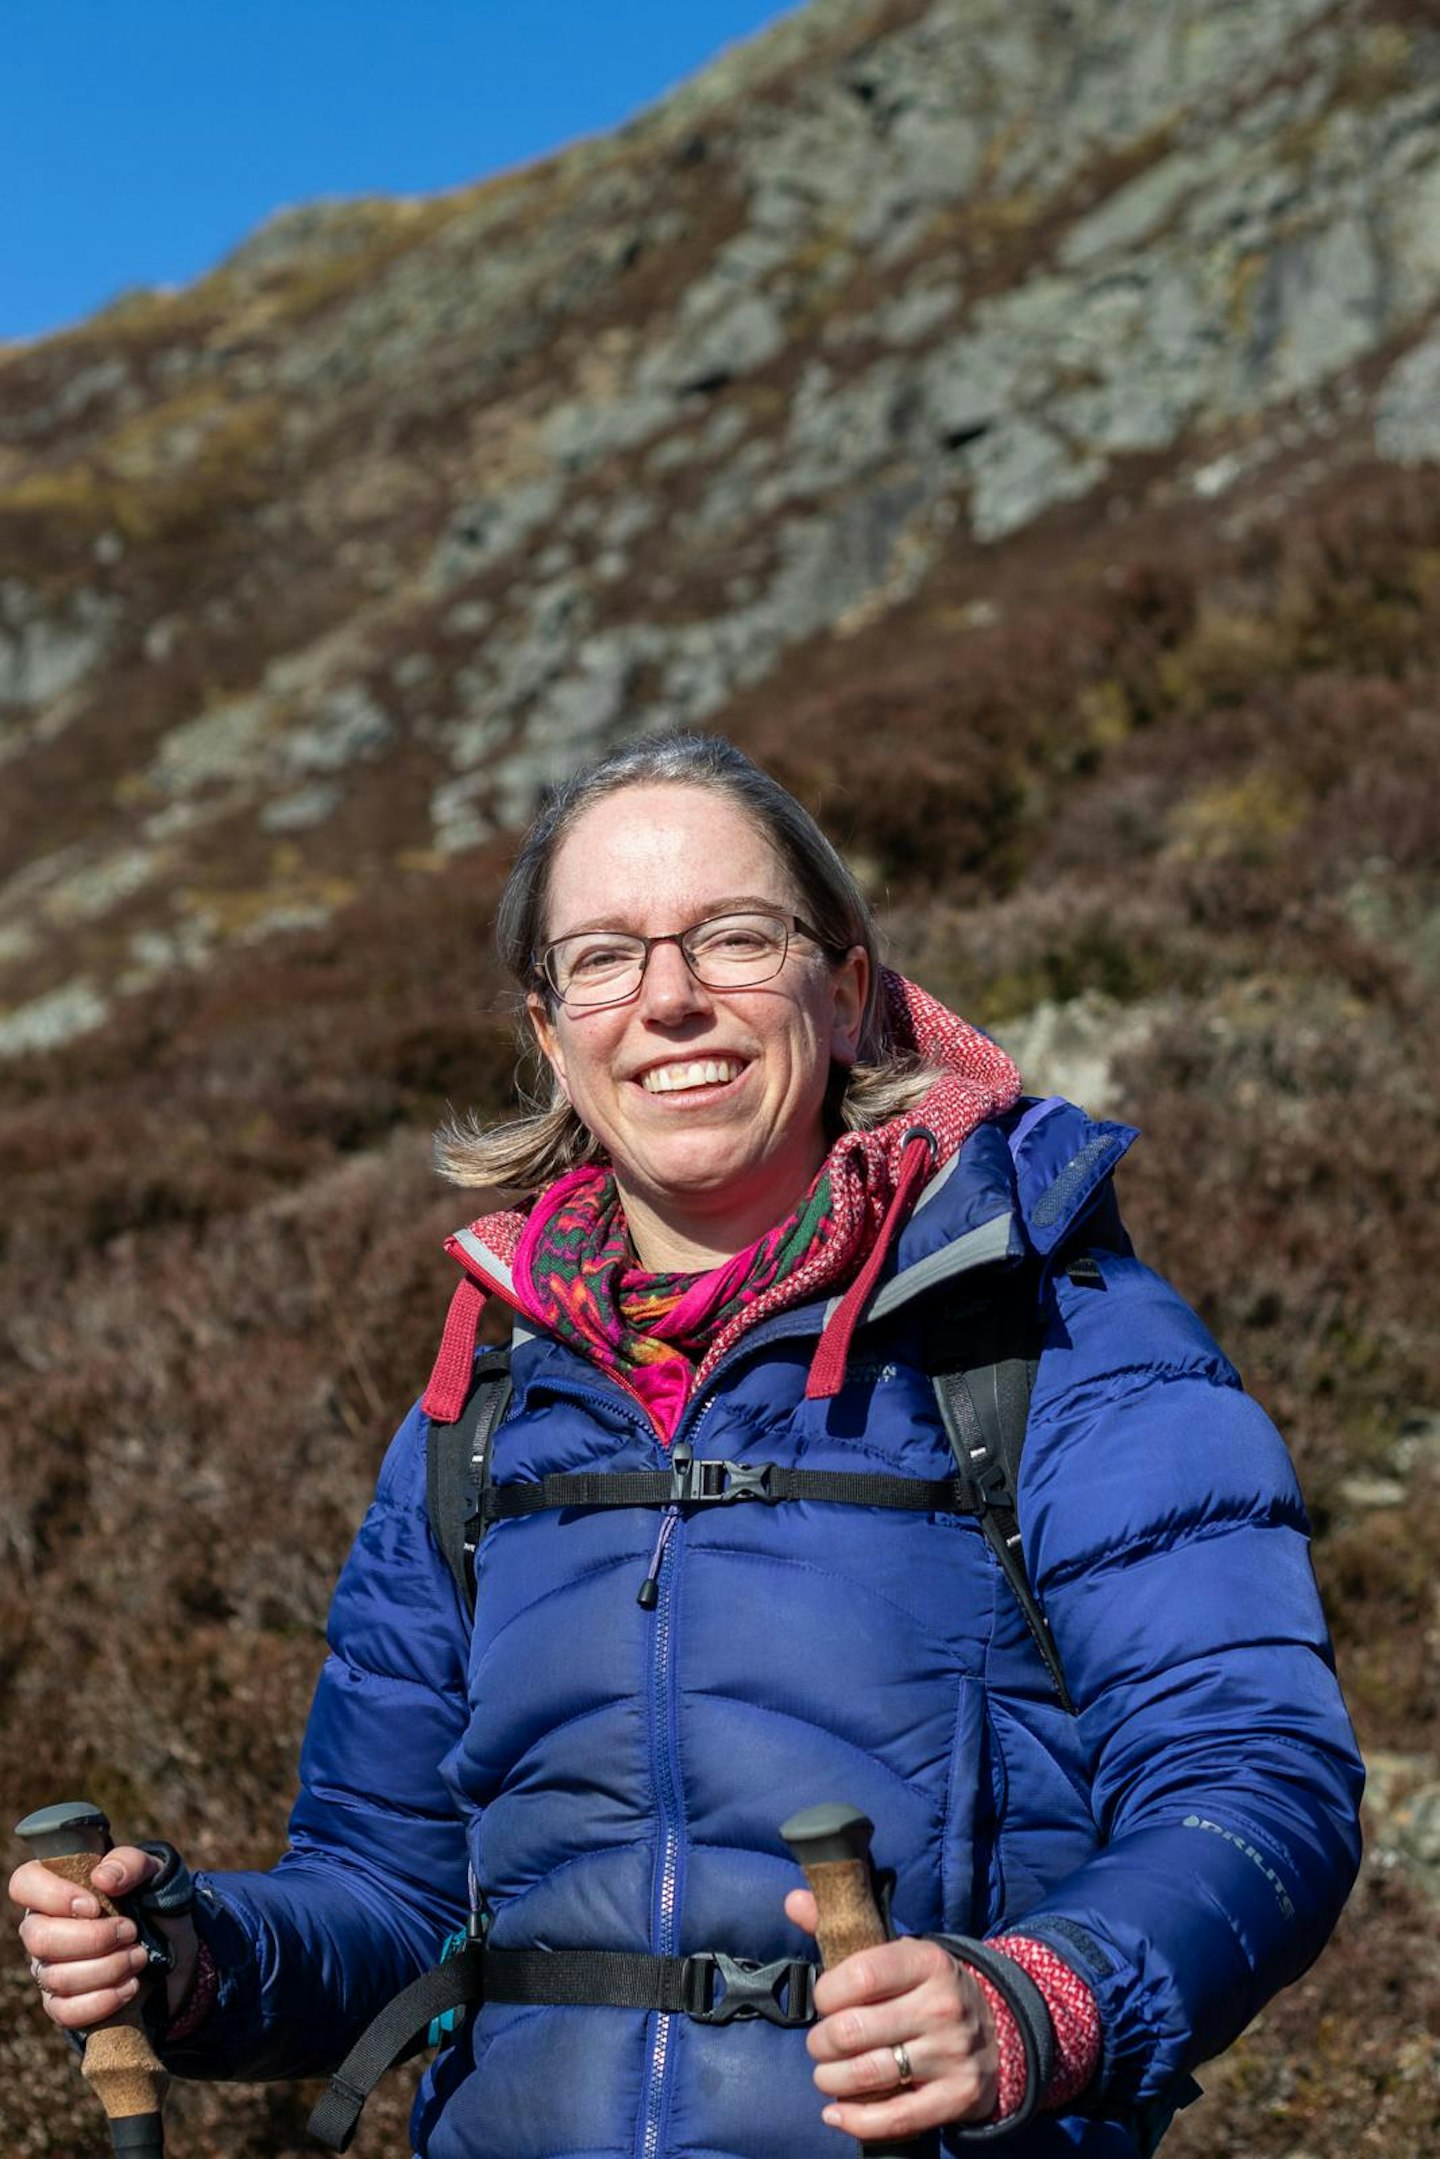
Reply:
x=783 y=1229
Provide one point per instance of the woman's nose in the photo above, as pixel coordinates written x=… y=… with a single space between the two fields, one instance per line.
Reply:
x=668 y=990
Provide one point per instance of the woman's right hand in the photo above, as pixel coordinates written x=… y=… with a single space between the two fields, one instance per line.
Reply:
x=87 y=1962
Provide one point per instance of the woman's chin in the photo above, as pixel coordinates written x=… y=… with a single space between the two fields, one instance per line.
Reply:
x=710 y=1198
x=693 y=1166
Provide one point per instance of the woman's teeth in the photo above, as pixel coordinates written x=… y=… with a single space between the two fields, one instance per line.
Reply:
x=700 y=1072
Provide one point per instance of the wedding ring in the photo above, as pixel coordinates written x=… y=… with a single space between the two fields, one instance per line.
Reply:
x=902 y=2067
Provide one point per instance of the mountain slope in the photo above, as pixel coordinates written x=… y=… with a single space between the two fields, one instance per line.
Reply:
x=381 y=524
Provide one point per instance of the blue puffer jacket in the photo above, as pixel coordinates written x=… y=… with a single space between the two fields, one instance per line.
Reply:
x=615 y=1776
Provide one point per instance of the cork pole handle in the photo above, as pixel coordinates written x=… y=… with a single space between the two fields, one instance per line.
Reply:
x=832 y=1846
x=119 y=2062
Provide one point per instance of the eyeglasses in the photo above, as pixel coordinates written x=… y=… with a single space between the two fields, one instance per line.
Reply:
x=727 y=952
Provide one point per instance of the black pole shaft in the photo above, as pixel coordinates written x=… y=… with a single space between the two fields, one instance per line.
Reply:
x=138 y=2136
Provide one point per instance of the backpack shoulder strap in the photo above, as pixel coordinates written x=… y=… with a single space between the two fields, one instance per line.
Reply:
x=983 y=1377
x=457 y=1463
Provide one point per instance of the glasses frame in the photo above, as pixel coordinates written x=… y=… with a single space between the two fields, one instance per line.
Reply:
x=793 y=926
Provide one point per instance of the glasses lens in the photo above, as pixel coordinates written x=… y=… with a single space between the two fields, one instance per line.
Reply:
x=595 y=968
x=734 y=949
x=602 y=967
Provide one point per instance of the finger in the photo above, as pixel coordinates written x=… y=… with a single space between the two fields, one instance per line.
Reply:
x=80 y=2012
x=90 y=1975
x=117 y=1874
x=801 y=1908
x=881 y=1973
x=872 y=2075
x=908 y=2114
x=946 y=2010
x=34 y=1886
x=121 y=1872
x=959 y=2098
x=65 y=1940
x=952 y=2036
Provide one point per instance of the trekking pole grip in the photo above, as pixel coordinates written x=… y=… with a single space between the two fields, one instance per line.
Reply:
x=119 y=2062
x=831 y=1843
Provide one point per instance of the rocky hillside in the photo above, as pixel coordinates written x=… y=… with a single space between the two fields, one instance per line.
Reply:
x=1019 y=425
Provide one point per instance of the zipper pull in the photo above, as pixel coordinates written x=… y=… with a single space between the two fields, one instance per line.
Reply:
x=682 y=1454
x=649 y=1592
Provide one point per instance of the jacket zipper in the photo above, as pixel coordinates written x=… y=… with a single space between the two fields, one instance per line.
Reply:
x=666 y=1782
x=664 y=1767
x=666 y=1771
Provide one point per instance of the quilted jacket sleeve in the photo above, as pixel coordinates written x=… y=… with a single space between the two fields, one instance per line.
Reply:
x=375 y=1876
x=1169 y=1545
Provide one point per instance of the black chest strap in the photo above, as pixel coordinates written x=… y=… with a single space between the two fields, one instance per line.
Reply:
x=693 y=1481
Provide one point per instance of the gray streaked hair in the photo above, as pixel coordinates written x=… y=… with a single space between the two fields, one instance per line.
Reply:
x=521 y=1156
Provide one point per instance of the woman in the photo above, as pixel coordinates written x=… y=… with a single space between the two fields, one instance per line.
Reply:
x=767 y=1180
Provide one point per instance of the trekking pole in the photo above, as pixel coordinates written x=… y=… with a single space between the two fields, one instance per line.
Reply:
x=119 y=2061
x=832 y=1845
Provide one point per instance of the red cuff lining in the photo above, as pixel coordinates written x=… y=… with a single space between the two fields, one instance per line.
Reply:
x=199 y=1999
x=1073 y=2013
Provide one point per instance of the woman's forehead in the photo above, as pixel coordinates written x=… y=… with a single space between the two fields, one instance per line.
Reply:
x=658 y=848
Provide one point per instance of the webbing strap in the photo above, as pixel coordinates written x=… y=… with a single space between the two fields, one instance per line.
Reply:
x=390 y=2038
x=983 y=1413
x=455 y=1461
x=709 y=1986
x=702 y=1482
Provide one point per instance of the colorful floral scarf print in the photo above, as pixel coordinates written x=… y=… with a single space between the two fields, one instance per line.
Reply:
x=577 y=1271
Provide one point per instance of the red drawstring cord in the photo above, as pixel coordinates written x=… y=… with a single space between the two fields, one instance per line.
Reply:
x=455 y=1360
x=827 y=1370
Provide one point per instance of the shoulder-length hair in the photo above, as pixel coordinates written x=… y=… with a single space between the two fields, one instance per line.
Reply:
x=520 y=1157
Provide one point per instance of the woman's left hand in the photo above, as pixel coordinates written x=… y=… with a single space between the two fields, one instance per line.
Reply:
x=911 y=1995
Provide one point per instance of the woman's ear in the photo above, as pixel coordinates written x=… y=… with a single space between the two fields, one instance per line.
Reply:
x=851 y=984
x=542 y=1019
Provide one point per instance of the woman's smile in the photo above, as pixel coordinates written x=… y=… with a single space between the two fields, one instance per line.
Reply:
x=694 y=1077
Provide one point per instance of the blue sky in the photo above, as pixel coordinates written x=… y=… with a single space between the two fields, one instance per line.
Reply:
x=141 y=139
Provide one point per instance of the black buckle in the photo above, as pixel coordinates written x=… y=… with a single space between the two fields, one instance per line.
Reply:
x=989 y=1485
x=782 y=1993
x=707 y=1483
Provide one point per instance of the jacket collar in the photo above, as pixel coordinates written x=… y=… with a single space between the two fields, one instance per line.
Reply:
x=1022 y=1182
